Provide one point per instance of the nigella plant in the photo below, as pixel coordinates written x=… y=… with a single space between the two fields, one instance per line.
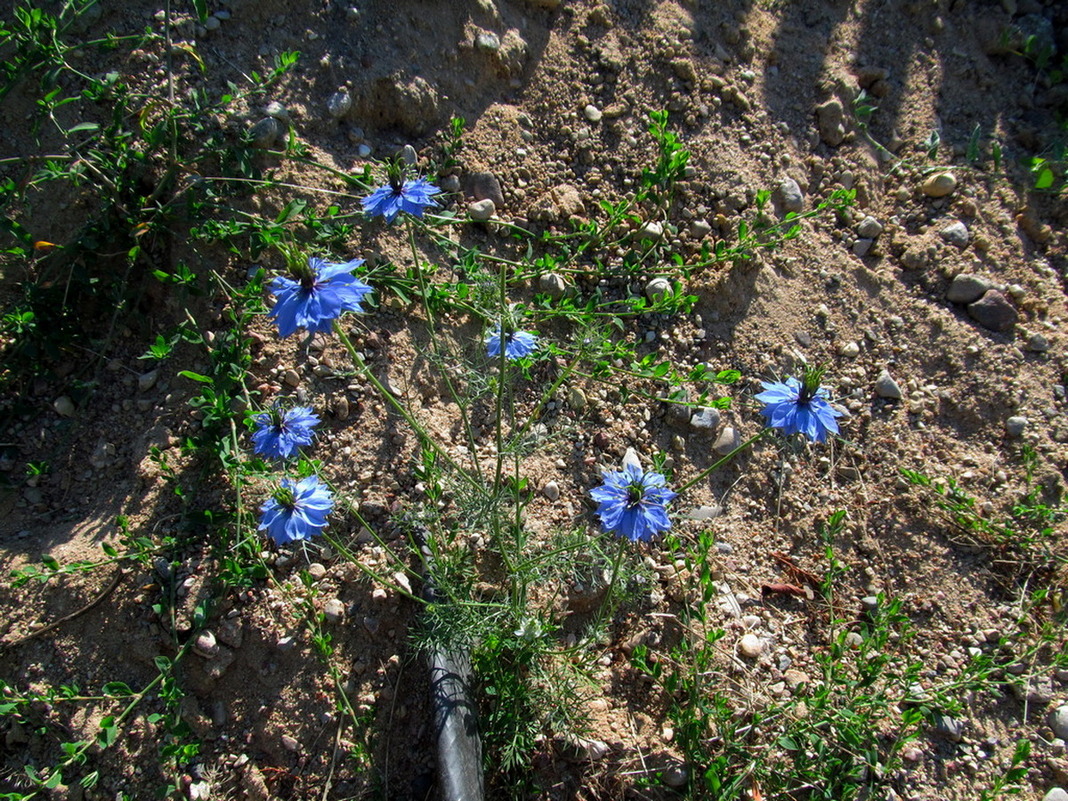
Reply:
x=632 y=503
x=800 y=406
x=296 y=510
x=413 y=196
x=279 y=432
x=516 y=344
x=319 y=294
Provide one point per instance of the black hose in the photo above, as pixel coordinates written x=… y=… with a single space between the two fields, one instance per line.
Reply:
x=455 y=714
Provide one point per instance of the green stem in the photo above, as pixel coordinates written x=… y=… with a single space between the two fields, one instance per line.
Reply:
x=391 y=399
x=762 y=433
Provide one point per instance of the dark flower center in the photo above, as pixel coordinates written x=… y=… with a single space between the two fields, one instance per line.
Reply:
x=395 y=169
x=635 y=494
x=286 y=498
x=304 y=274
x=810 y=385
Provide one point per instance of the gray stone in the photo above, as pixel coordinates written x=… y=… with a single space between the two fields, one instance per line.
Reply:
x=64 y=406
x=481 y=210
x=791 y=196
x=1034 y=690
x=993 y=311
x=205 y=645
x=338 y=104
x=699 y=229
x=705 y=418
x=484 y=186
x=334 y=610
x=146 y=381
x=631 y=458
x=409 y=156
x=1058 y=721
x=212 y=23
x=967 y=288
x=862 y=247
x=1015 y=426
x=939 y=185
x=886 y=386
x=705 y=513
x=277 y=110
x=830 y=118
x=576 y=399
x=1037 y=343
x=679 y=413
x=551 y=490
x=750 y=646
x=956 y=233
x=651 y=230
x=592 y=113
x=266 y=133
x=869 y=228
x=488 y=41
x=317 y=571
x=1056 y=794
x=727 y=441
x=676 y=776
x=658 y=289
x=948 y=727
x=553 y=285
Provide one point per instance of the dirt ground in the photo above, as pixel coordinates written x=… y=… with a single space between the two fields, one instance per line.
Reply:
x=556 y=96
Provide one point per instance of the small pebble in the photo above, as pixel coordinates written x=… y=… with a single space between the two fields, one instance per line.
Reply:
x=886 y=386
x=551 y=490
x=592 y=113
x=316 y=570
x=482 y=210
x=750 y=646
x=1058 y=721
x=939 y=185
x=658 y=289
x=727 y=441
x=1015 y=426
x=334 y=610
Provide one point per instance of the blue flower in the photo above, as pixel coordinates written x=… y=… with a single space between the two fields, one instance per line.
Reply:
x=296 y=511
x=412 y=196
x=279 y=432
x=321 y=292
x=800 y=407
x=517 y=344
x=632 y=503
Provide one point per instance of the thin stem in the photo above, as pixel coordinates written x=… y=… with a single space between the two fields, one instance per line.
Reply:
x=359 y=363
x=762 y=433
x=436 y=348
x=611 y=583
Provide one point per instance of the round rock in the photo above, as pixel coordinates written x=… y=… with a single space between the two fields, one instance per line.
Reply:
x=790 y=196
x=956 y=233
x=1058 y=721
x=869 y=228
x=482 y=210
x=658 y=289
x=553 y=285
x=750 y=646
x=334 y=610
x=1015 y=426
x=993 y=311
x=1056 y=794
x=727 y=441
x=939 y=185
x=592 y=113
x=705 y=418
x=967 y=288
x=551 y=490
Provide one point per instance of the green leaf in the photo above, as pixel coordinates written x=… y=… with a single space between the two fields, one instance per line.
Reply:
x=201 y=7
x=203 y=379
x=83 y=126
x=1045 y=179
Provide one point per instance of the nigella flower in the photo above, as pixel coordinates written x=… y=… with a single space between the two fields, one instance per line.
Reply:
x=297 y=510
x=321 y=291
x=800 y=406
x=279 y=432
x=517 y=344
x=413 y=195
x=632 y=503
